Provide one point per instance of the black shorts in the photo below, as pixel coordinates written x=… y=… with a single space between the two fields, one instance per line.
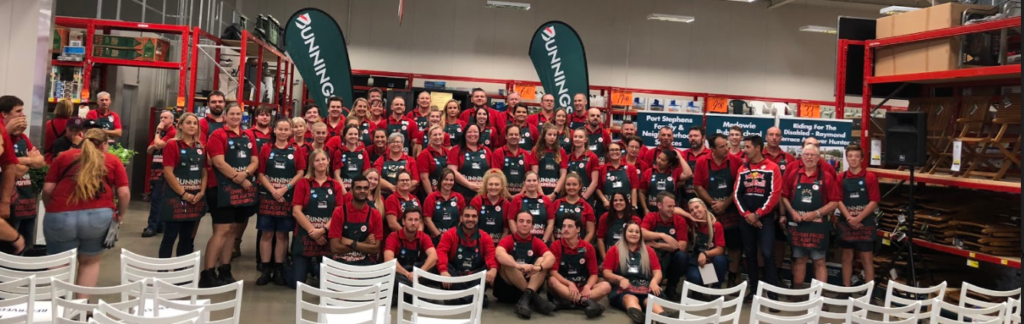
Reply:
x=505 y=292
x=615 y=299
x=734 y=239
x=857 y=246
x=227 y=215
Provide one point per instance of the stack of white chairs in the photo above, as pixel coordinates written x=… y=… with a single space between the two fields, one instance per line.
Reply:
x=180 y=271
x=429 y=306
x=1013 y=313
x=172 y=299
x=18 y=294
x=989 y=315
x=968 y=301
x=359 y=305
x=478 y=296
x=898 y=294
x=76 y=310
x=61 y=266
x=809 y=312
x=339 y=277
x=860 y=312
x=107 y=314
x=811 y=293
x=732 y=303
x=861 y=293
x=686 y=312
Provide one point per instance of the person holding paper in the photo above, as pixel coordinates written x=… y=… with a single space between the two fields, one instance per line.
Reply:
x=810 y=196
x=707 y=247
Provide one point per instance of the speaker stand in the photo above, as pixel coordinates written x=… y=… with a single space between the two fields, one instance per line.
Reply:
x=908 y=246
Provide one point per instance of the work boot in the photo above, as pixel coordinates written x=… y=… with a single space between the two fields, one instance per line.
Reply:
x=265 y=277
x=541 y=304
x=279 y=278
x=522 y=308
x=208 y=279
x=562 y=304
x=225 y=275
x=236 y=251
x=487 y=302
x=593 y=309
x=636 y=315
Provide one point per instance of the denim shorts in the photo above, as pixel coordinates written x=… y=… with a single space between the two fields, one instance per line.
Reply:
x=814 y=254
x=84 y=230
x=275 y=224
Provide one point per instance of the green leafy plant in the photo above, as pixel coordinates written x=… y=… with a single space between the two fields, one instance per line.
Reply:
x=122 y=153
x=38 y=177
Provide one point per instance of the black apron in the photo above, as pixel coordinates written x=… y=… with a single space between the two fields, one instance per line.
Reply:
x=357 y=232
x=618 y=182
x=24 y=205
x=280 y=170
x=659 y=183
x=615 y=228
x=467 y=259
x=212 y=127
x=390 y=172
x=638 y=281
x=421 y=121
x=492 y=220
x=485 y=137
x=687 y=193
x=401 y=127
x=156 y=169
x=522 y=252
x=596 y=144
x=515 y=172
x=535 y=206
x=446 y=213
x=189 y=172
x=107 y=123
x=565 y=209
x=548 y=171
x=669 y=230
x=454 y=134
x=364 y=134
x=318 y=211
x=237 y=156
x=855 y=197
x=409 y=258
x=526 y=138
x=699 y=243
x=573 y=267
x=807 y=197
x=565 y=142
x=473 y=168
x=440 y=161
x=260 y=141
x=720 y=188
x=374 y=156
x=351 y=167
x=580 y=167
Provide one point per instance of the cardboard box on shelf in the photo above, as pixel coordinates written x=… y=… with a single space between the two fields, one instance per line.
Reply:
x=919 y=57
x=147 y=48
x=60 y=39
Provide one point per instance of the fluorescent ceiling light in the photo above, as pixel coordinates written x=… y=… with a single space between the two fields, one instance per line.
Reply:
x=747 y=1
x=508 y=5
x=672 y=18
x=818 y=29
x=893 y=10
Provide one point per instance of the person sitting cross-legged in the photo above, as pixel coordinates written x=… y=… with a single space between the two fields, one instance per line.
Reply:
x=524 y=264
x=412 y=248
x=573 y=283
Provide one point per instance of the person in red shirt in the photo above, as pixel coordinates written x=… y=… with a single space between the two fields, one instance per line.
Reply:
x=214 y=119
x=397 y=203
x=260 y=136
x=580 y=116
x=690 y=157
x=470 y=161
x=489 y=136
x=665 y=137
x=809 y=197
x=736 y=142
x=668 y=234
x=78 y=194
x=514 y=161
x=108 y=120
x=184 y=187
x=492 y=204
x=758 y=187
x=822 y=163
x=311 y=114
x=615 y=176
x=318 y=142
x=627 y=130
x=714 y=177
x=528 y=133
x=573 y=276
x=433 y=160
x=598 y=137
x=412 y=248
x=552 y=162
x=632 y=145
x=283 y=167
x=546 y=113
x=478 y=97
x=395 y=161
x=584 y=162
x=419 y=113
x=356 y=229
x=164 y=132
x=634 y=272
x=453 y=126
x=56 y=127
x=707 y=244
x=441 y=208
x=23 y=209
x=509 y=117
x=525 y=262
x=350 y=159
x=316 y=197
x=664 y=176
x=433 y=120
x=398 y=123
x=774 y=152
x=857 y=227
x=335 y=117
x=609 y=227
x=572 y=204
x=360 y=115
x=531 y=201
x=466 y=251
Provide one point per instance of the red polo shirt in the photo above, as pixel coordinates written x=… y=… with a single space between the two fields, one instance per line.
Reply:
x=336 y=163
x=535 y=119
x=677 y=222
x=410 y=165
x=719 y=238
x=870 y=181
x=63 y=173
x=645 y=179
x=425 y=161
x=652 y=154
x=204 y=126
x=498 y=158
x=301 y=197
x=300 y=159
x=508 y=242
x=95 y=115
x=611 y=260
x=216 y=145
x=434 y=198
x=777 y=159
x=451 y=240
x=393 y=205
x=602 y=225
x=689 y=156
x=457 y=157
x=516 y=205
x=54 y=129
x=822 y=165
x=578 y=119
x=335 y=130
x=375 y=226
x=630 y=171
x=172 y=153
x=411 y=132
x=606 y=135
x=829 y=189
x=561 y=248
x=397 y=240
x=587 y=212
x=701 y=174
x=592 y=163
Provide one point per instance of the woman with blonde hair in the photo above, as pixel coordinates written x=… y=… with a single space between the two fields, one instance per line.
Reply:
x=707 y=243
x=184 y=201
x=299 y=134
x=316 y=197
x=452 y=124
x=434 y=118
x=56 y=127
x=78 y=194
x=360 y=113
x=492 y=201
x=633 y=270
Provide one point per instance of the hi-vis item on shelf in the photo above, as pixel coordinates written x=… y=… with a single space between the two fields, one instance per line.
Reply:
x=315 y=43
x=561 y=62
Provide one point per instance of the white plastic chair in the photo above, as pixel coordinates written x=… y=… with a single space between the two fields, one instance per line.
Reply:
x=990 y=315
x=966 y=300
x=62 y=266
x=360 y=303
x=731 y=306
x=18 y=295
x=346 y=278
x=425 y=308
x=65 y=310
x=863 y=291
x=191 y=300
x=811 y=310
x=327 y=261
x=1013 y=313
x=179 y=271
x=894 y=296
x=685 y=312
x=811 y=293
x=107 y=314
x=479 y=277
x=860 y=312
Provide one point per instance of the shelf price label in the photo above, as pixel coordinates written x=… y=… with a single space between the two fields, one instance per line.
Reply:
x=525 y=91
x=181 y=101
x=972 y=263
x=718 y=105
x=810 y=110
x=886 y=242
x=622 y=98
x=1004 y=262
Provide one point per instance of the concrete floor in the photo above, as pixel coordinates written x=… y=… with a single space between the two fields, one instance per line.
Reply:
x=274 y=304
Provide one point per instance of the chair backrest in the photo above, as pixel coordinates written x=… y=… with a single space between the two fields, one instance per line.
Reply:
x=360 y=300
x=731 y=306
x=336 y=279
x=897 y=294
x=967 y=300
x=480 y=278
x=685 y=312
x=180 y=271
x=428 y=305
x=107 y=314
x=1013 y=313
x=77 y=308
x=18 y=293
x=989 y=315
x=191 y=298
x=812 y=292
x=862 y=293
x=62 y=266
x=810 y=311
x=860 y=310
x=328 y=262
x=1008 y=110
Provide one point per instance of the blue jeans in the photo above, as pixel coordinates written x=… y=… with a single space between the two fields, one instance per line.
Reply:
x=301 y=268
x=180 y=231
x=156 y=198
x=760 y=240
x=84 y=230
x=721 y=264
x=674 y=266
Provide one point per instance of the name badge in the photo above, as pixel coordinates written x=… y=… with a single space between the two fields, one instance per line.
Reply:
x=793 y=224
x=321 y=204
x=855 y=195
x=617 y=184
x=806 y=199
x=573 y=271
x=490 y=221
x=353 y=167
x=632 y=269
x=446 y=217
x=661 y=186
x=475 y=166
x=723 y=185
x=279 y=165
x=242 y=155
x=194 y=167
x=514 y=172
x=593 y=147
x=549 y=167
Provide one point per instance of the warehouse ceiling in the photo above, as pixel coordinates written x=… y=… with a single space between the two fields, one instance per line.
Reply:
x=859 y=4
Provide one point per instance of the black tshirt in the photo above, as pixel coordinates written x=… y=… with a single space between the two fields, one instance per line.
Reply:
x=60 y=145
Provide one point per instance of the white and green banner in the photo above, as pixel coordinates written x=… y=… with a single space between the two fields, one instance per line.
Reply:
x=315 y=43
x=561 y=62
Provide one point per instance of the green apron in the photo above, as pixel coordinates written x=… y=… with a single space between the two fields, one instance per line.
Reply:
x=351 y=167
x=597 y=145
x=107 y=123
x=687 y=193
x=440 y=163
x=390 y=172
x=403 y=128
x=454 y=134
x=522 y=252
x=639 y=282
x=357 y=232
x=565 y=209
x=535 y=206
x=855 y=197
x=515 y=172
x=189 y=172
x=156 y=168
x=720 y=188
x=260 y=141
x=421 y=121
x=808 y=197
x=237 y=156
x=24 y=204
x=492 y=220
x=526 y=138
x=548 y=172
x=318 y=211
x=364 y=134
x=615 y=227
x=473 y=168
x=565 y=142
x=618 y=181
x=213 y=126
x=485 y=137
x=409 y=258
x=669 y=230
x=280 y=170
x=573 y=267
x=660 y=182
x=580 y=167
x=699 y=243
x=467 y=259
x=446 y=213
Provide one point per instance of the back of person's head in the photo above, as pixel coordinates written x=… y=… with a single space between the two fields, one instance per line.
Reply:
x=91 y=167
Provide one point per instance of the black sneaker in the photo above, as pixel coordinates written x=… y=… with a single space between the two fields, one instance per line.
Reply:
x=279 y=278
x=225 y=276
x=208 y=279
x=636 y=315
x=148 y=232
x=265 y=277
x=593 y=309
x=522 y=308
x=670 y=313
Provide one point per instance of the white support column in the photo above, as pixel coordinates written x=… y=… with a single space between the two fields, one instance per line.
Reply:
x=26 y=29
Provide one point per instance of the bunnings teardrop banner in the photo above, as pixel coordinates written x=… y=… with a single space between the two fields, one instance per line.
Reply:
x=316 y=44
x=561 y=62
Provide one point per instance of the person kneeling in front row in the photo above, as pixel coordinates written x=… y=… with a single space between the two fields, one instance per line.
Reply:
x=412 y=248
x=573 y=282
x=525 y=262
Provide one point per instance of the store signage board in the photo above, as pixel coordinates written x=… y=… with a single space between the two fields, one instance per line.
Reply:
x=833 y=134
x=751 y=125
x=649 y=123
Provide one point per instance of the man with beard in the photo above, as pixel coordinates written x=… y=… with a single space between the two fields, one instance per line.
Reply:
x=580 y=116
x=627 y=130
x=691 y=156
x=714 y=177
x=546 y=114
x=479 y=100
x=259 y=134
x=419 y=114
x=356 y=228
x=412 y=248
x=598 y=137
x=214 y=119
x=757 y=193
x=466 y=251
x=108 y=120
x=164 y=132
x=335 y=118
x=399 y=123
x=665 y=143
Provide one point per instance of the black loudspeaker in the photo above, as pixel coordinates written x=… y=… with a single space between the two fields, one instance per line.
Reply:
x=906 y=134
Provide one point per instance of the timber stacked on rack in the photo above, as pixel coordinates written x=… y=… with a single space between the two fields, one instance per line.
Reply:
x=995 y=233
